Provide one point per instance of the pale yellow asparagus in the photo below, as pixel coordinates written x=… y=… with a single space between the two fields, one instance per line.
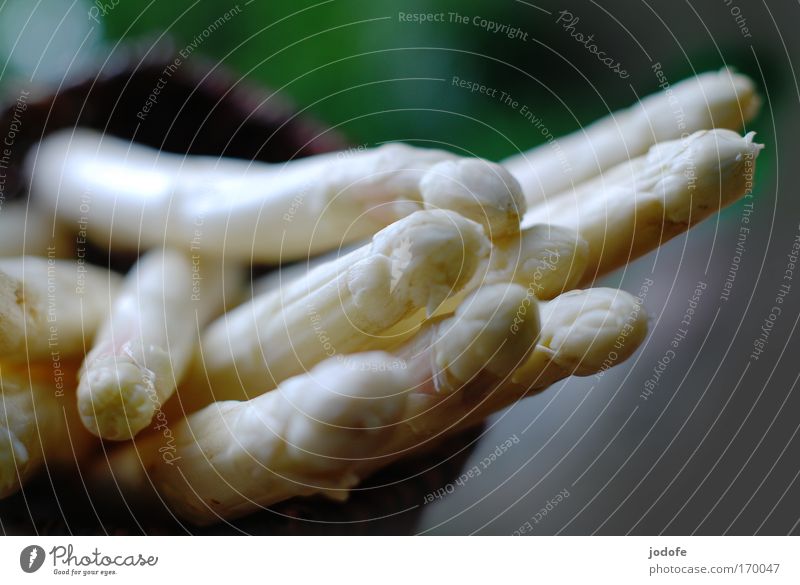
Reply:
x=130 y=196
x=721 y=99
x=343 y=306
x=318 y=432
x=145 y=345
x=39 y=424
x=51 y=307
x=653 y=199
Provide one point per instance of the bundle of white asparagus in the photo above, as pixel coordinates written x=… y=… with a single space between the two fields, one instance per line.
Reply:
x=459 y=294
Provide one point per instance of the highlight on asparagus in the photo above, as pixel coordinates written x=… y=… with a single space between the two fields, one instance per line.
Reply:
x=718 y=99
x=132 y=196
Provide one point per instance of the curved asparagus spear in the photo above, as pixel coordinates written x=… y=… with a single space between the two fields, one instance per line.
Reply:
x=582 y=333
x=721 y=99
x=144 y=347
x=653 y=199
x=343 y=306
x=545 y=260
x=51 y=307
x=318 y=432
x=38 y=422
x=132 y=196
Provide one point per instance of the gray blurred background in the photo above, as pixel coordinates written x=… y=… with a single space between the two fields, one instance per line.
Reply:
x=713 y=449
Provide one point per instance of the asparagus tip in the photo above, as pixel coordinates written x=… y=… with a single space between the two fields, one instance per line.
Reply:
x=116 y=398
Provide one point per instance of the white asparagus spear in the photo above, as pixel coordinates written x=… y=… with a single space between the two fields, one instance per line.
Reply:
x=229 y=458
x=546 y=260
x=478 y=190
x=582 y=333
x=694 y=176
x=318 y=431
x=51 y=307
x=721 y=99
x=651 y=200
x=343 y=306
x=39 y=424
x=26 y=230
x=145 y=345
x=131 y=196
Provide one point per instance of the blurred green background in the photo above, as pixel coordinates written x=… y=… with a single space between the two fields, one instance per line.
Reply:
x=357 y=67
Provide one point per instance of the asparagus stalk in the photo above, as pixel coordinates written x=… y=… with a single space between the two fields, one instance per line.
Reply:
x=343 y=306
x=145 y=344
x=721 y=99
x=581 y=333
x=318 y=431
x=653 y=199
x=39 y=424
x=545 y=260
x=131 y=196
x=51 y=308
